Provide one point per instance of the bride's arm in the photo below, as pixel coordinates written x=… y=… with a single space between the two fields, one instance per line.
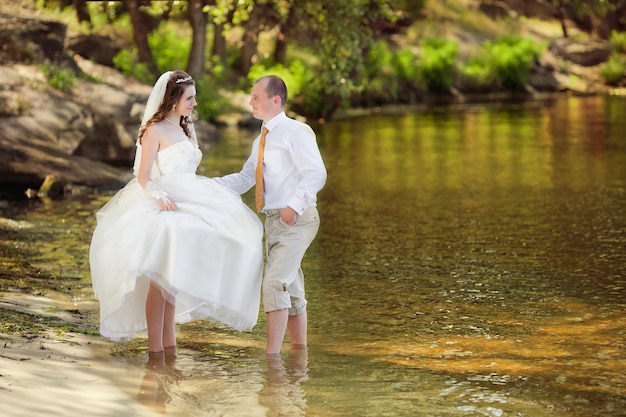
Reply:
x=149 y=148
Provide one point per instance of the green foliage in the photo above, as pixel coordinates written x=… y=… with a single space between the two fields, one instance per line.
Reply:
x=476 y=74
x=618 y=40
x=377 y=80
x=378 y=60
x=211 y=103
x=613 y=70
x=127 y=63
x=437 y=63
x=412 y=7
x=512 y=58
x=405 y=66
x=344 y=32
x=314 y=100
x=388 y=75
x=169 y=49
x=60 y=78
x=217 y=70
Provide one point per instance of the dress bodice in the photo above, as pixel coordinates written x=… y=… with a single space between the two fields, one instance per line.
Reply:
x=181 y=157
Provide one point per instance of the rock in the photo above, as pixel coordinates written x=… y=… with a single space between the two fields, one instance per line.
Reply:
x=78 y=137
x=496 y=9
x=541 y=9
x=99 y=49
x=33 y=41
x=584 y=52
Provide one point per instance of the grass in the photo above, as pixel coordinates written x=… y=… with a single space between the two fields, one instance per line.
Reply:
x=28 y=325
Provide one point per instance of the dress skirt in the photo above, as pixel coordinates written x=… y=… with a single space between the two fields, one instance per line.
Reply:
x=206 y=255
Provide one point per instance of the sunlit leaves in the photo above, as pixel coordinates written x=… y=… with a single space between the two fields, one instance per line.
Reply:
x=512 y=57
x=437 y=63
x=231 y=12
x=345 y=35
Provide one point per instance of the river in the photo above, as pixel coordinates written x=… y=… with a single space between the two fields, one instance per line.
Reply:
x=470 y=262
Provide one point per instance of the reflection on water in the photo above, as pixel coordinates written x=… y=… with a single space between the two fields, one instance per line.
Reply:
x=470 y=262
x=161 y=374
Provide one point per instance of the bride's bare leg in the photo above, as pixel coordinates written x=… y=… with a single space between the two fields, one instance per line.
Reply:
x=169 y=325
x=155 y=314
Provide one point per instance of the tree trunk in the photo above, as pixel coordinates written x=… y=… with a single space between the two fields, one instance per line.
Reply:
x=219 y=43
x=248 y=50
x=280 y=50
x=141 y=29
x=81 y=11
x=198 y=20
x=562 y=16
x=250 y=40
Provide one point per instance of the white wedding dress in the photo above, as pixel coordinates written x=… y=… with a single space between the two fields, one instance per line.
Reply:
x=206 y=255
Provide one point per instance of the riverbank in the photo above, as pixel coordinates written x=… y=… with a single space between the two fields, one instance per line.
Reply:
x=62 y=373
x=67 y=373
x=75 y=133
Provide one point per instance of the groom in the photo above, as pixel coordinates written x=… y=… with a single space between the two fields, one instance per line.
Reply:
x=291 y=173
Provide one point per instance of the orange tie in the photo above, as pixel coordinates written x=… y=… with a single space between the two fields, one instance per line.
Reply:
x=260 y=192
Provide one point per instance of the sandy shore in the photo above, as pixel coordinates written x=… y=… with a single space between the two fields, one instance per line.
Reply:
x=64 y=374
x=72 y=374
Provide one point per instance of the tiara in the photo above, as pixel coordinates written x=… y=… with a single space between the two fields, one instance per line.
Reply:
x=183 y=80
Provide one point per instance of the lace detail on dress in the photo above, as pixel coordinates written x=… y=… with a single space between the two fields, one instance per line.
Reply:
x=181 y=157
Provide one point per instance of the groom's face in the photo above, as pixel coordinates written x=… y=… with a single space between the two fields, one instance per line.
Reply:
x=263 y=107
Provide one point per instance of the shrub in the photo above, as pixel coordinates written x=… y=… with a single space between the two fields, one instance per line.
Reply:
x=211 y=103
x=60 y=78
x=476 y=75
x=378 y=83
x=405 y=66
x=169 y=49
x=612 y=71
x=126 y=62
x=378 y=59
x=618 y=40
x=437 y=63
x=512 y=58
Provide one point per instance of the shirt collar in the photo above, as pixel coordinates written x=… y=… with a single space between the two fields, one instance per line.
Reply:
x=275 y=121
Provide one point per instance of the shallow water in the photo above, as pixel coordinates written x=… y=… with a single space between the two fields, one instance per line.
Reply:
x=470 y=262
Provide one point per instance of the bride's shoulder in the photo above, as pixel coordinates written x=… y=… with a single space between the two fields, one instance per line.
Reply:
x=157 y=126
x=154 y=133
x=158 y=129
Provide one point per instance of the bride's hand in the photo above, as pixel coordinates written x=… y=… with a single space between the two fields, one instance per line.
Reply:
x=166 y=203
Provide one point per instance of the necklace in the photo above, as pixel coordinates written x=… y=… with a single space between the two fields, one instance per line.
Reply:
x=177 y=125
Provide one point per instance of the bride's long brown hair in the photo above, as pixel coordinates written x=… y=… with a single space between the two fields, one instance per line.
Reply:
x=176 y=85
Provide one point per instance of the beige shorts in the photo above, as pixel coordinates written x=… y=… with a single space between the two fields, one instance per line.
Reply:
x=283 y=281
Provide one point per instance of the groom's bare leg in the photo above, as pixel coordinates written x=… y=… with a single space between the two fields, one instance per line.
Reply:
x=297 y=326
x=276 y=327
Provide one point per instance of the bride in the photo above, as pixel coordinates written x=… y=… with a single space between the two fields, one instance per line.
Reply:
x=172 y=246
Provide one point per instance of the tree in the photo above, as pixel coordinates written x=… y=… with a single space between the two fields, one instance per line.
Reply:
x=562 y=16
x=344 y=36
x=599 y=17
x=280 y=49
x=198 y=19
x=220 y=15
x=253 y=25
x=143 y=24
